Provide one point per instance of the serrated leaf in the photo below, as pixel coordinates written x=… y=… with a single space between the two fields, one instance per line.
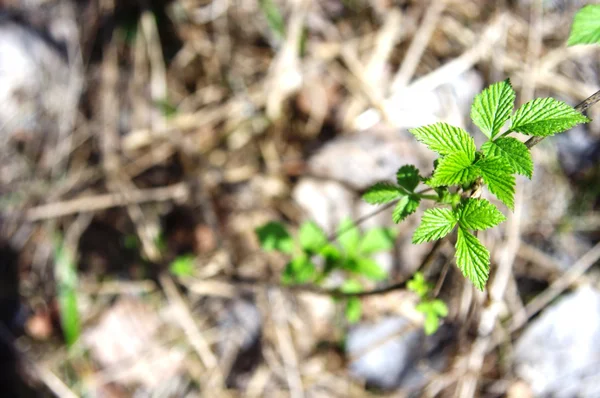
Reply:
x=586 y=26
x=369 y=268
x=405 y=207
x=348 y=236
x=382 y=192
x=497 y=174
x=376 y=240
x=544 y=117
x=446 y=139
x=311 y=237
x=491 y=108
x=408 y=177
x=353 y=310
x=514 y=151
x=478 y=214
x=453 y=169
x=435 y=224
x=472 y=258
x=273 y=236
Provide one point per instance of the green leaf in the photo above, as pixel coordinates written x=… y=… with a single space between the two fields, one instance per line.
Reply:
x=446 y=139
x=447 y=197
x=330 y=252
x=419 y=285
x=376 y=240
x=299 y=270
x=351 y=286
x=369 y=269
x=514 y=151
x=478 y=214
x=405 y=207
x=183 y=266
x=586 y=26
x=353 y=310
x=382 y=192
x=274 y=18
x=311 y=236
x=497 y=174
x=454 y=169
x=439 y=307
x=492 y=108
x=65 y=276
x=435 y=224
x=273 y=236
x=472 y=258
x=432 y=323
x=348 y=236
x=544 y=117
x=332 y=256
x=408 y=177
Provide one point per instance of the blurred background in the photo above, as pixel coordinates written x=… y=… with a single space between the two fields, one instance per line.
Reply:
x=143 y=142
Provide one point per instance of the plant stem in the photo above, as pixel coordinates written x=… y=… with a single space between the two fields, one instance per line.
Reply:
x=435 y=198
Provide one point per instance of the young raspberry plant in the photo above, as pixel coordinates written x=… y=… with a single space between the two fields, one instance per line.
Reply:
x=462 y=170
x=432 y=309
x=313 y=257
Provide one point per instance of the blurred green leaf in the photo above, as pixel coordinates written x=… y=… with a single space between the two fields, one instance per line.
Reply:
x=348 y=236
x=65 y=275
x=433 y=311
x=432 y=323
x=131 y=242
x=274 y=237
x=333 y=258
x=353 y=310
x=183 y=266
x=312 y=238
x=274 y=18
x=419 y=285
x=376 y=240
x=370 y=269
x=351 y=286
x=166 y=108
x=439 y=307
x=299 y=270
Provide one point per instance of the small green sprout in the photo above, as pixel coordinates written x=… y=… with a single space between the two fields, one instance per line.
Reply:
x=350 y=254
x=65 y=275
x=183 y=266
x=432 y=308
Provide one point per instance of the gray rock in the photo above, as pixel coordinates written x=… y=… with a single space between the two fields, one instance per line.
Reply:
x=366 y=157
x=546 y=198
x=559 y=353
x=577 y=150
x=325 y=202
x=241 y=329
x=40 y=80
x=383 y=352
